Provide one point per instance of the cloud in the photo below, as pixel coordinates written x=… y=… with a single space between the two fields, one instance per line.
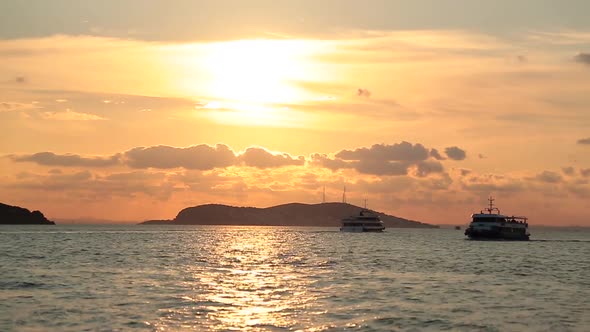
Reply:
x=360 y=92
x=53 y=182
x=488 y=183
x=436 y=155
x=403 y=151
x=494 y=187
x=549 y=177
x=201 y=157
x=382 y=159
x=4 y=106
x=379 y=167
x=583 y=58
x=372 y=108
x=585 y=172
x=68 y=160
x=464 y=172
x=584 y=141
x=261 y=158
x=70 y=115
x=427 y=167
x=84 y=185
x=17 y=106
x=322 y=160
x=568 y=170
x=20 y=79
x=455 y=153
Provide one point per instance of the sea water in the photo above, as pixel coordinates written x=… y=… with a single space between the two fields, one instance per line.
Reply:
x=186 y=278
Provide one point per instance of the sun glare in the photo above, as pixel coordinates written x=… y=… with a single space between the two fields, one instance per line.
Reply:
x=256 y=71
x=248 y=82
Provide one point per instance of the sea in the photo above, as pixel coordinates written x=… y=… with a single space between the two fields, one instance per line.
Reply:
x=210 y=278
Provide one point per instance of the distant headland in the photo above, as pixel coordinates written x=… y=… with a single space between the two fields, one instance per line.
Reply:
x=15 y=215
x=292 y=214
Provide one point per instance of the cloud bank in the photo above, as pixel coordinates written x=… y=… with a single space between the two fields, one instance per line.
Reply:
x=380 y=159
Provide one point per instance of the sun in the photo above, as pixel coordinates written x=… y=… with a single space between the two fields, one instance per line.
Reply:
x=248 y=82
x=256 y=71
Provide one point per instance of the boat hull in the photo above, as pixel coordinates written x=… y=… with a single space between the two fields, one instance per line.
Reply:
x=496 y=235
x=360 y=229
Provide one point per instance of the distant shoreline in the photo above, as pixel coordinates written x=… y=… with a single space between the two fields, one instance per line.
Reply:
x=291 y=214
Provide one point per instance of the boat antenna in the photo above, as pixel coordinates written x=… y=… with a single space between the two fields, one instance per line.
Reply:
x=492 y=208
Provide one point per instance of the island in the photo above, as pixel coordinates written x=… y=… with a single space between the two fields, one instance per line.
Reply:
x=292 y=214
x=15 y=215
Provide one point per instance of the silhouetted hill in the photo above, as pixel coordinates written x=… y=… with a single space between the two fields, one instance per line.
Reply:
x=293 y=214
x=20 y=216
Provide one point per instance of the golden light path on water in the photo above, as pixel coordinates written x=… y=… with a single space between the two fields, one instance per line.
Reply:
x=250 y=280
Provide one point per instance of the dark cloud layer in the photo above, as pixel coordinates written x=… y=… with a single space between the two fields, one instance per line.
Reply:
x=377 y=167
x=201 y=157
x=322 y=160
x=87 y=186
x=380 y=159
x=455 y=153
x=68 y=160
x=549 y=177
x=403 y=151
x=436 y=155
x=568 y=170
x=426 y=167
x=261 y=158
x=583 y=58
x=584 y=141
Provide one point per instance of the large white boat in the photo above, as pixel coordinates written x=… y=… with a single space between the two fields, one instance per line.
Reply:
x=365 y=221
x=495 y=226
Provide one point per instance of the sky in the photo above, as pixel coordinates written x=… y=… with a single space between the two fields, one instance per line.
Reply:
x=134 y=110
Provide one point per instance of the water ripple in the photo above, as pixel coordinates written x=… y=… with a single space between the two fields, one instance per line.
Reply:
x=72 y=278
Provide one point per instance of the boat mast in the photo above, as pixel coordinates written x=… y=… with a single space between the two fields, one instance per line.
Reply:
x=492 y=208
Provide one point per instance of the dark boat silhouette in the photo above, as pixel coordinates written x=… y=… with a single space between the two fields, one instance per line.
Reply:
x=495 y=226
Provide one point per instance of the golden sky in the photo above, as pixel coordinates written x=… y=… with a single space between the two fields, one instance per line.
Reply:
x=131 y=112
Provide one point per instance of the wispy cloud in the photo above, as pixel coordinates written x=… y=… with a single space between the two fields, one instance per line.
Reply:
x=69 y=115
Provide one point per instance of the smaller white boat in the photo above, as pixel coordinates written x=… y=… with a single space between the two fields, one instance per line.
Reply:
x=365 y=221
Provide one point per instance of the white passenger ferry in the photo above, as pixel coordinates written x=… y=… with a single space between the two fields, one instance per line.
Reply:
x=495 y=226
x=365 y=221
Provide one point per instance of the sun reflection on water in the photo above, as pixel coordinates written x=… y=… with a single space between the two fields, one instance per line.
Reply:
x=251 y=281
